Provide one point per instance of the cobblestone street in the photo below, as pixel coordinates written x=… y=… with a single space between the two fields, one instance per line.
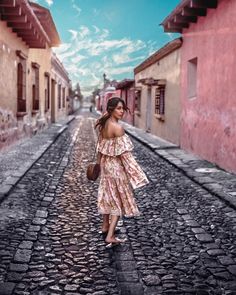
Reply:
x=184 y=242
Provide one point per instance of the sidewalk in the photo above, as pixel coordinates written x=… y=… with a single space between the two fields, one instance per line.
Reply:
x=215 y=180
x=18 y=159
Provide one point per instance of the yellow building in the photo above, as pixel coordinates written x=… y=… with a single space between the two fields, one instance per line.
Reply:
x=28 y=72
x=157 y=93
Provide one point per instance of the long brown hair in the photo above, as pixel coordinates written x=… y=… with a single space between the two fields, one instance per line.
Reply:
x=111 y=105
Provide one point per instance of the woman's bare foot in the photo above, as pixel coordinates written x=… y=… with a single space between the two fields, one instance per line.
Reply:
x=114 y=240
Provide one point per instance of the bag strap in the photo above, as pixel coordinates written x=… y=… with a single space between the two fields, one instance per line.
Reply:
x=95 y=151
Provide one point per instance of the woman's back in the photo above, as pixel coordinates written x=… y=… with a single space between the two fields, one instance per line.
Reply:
x=111 y=130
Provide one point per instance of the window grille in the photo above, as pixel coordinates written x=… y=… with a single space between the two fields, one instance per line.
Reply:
x=160 y=100
x=21 y=102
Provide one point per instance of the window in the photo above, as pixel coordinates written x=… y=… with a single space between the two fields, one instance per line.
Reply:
x=47 y=92
x=35 y=91
x=21 y=102
x=160 y=100
x=59 y=96
x=35 y=101
x=35 y=87
x=138 y=100
x=21 y=83
x=64 y=97
x=192 y=78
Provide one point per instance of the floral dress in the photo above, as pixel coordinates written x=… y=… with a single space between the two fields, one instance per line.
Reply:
x=120 y=174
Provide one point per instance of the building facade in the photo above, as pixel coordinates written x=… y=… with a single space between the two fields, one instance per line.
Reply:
x=27 y=35
x=208 y=120
x=60 y=89
x=127 y=93
x=102 y=96
x=157 y=93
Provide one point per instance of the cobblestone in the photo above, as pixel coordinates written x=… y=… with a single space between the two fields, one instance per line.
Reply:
x=183 y=242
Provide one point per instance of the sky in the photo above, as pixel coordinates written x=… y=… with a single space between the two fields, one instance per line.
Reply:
x=107 y=36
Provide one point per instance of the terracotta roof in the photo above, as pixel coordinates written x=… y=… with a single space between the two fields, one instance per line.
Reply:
x=167 y=49
x=124 y=83
x=187 y=12
x=20 y=17
x=46 y=20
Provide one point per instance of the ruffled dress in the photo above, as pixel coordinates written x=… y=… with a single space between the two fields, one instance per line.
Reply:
x=120 y=174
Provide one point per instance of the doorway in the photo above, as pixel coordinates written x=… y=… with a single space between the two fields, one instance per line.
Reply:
x=149 y=110
x=53 y=103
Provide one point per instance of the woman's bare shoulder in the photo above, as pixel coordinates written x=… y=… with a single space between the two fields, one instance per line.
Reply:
x=117 y=129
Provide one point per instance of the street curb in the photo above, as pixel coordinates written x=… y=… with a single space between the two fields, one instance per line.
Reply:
x=8 y=187
x=210 y=187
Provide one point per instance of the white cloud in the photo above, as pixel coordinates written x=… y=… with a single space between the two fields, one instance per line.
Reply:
x=125 y=58
x=78 y=58
x=76 y=8
x=63 y=47
x=84 y=31
x=73 y=33
x=105 y=34
x=122 y=70
x=171 y=36
x=97 y=30
x=91 y=52
x=67 y=54
x=49 y=2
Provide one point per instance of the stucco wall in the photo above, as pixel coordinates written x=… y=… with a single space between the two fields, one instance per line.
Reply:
x=167 y=68
x=43 y=58
x=209 y=120
x=10 y=128
x=9 y=43
x=59 y=79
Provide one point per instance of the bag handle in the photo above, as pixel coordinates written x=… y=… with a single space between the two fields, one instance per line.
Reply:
x=95 y=151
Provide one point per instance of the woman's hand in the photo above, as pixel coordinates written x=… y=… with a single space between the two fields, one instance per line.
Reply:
x=99 y=155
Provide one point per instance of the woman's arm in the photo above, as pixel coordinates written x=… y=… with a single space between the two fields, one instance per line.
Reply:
x=118 y=130
x=99 y=155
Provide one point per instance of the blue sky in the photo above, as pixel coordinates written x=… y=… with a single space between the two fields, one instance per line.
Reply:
x=107 y=36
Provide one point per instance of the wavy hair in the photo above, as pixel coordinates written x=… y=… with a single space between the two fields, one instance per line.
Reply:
x=111 y=105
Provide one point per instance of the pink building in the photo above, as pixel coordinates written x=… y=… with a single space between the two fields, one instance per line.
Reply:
x=126 y=88
x=208 y=71
x=105 y=94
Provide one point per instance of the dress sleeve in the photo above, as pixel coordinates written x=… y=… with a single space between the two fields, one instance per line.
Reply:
x=115 y=146
x=135 y=174
x=99 y=140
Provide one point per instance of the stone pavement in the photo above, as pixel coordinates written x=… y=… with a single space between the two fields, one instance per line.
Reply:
x=215 y=180
x=16 y=160
x=184 y=242
x=49 y=240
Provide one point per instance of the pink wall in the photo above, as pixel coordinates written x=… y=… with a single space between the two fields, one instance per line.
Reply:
x=208 y=121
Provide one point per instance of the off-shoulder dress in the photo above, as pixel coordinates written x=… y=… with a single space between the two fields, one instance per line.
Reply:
x=120 y=174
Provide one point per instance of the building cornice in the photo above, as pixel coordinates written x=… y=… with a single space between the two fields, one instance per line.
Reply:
x=20 y=17
x=124 y=83
x=59 y=68
x=185 y=13
x=158 y=55
x=46 y=20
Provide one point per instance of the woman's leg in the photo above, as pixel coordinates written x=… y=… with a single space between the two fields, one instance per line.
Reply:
x=111 y=232
x=105 y=223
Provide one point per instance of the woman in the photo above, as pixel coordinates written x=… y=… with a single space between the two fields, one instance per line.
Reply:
x=120 y=173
